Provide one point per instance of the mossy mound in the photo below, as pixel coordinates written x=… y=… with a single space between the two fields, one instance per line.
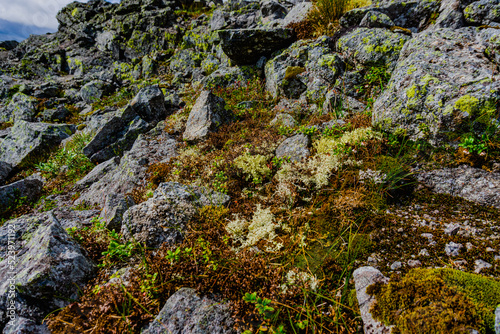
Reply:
x=437 y=301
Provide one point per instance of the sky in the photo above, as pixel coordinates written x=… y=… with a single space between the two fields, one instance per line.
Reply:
x=20 y=18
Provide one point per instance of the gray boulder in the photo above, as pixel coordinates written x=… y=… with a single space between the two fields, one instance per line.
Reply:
x=119 y=132
x=5 y=170
x=413 y=15
x=98 y=173
x=114 y=208
x=94 y=91
x=450 y=15
x=364 y=277
x=372 y=47
x=149 y=104
x=376 y=19
x=441 y=84
x=187 y=313
x=131 y=170
x=483 y=12
x=294 y=148
x=21 y=325
x=116 y=136
x=473 y=184
x=297 y=14
x=246 y=46
x=21 y=107
x=289 y=72
x=163 y=217
x=497 y=320
x=28 y=188
x=336 y=101
x=29 y=140
x=49 y=268
x=207 y=115
x=283 y=119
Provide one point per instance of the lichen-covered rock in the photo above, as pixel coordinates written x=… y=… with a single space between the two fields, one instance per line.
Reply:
x=131 y=171
x=229 y=77
x=297 y=14
x=163 y=217
x=450 y=15
x=283 y=119
x=271 y=10
x=28 y=140
x=473 y=184
x=94 y=91
x=207 y=115
x=48 y=270
x=21 y=107
x=364 y=277
x=20 y=325
x=336 y=102
x=372 y=47
x=5 y=169
x=246 y=46
x=187 y=313
x=29 y=188
x=413 y=15
x=483 y=12
x=114 y=208
x=289 y=72
x=295 y=148
x=116 y=136
x=149 y=104
x=97 y=173
x=442 y=83
x=375 y=19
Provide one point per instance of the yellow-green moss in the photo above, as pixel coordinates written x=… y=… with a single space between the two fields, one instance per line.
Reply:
x=293 y=71
x=468 y=104
x=437 y=301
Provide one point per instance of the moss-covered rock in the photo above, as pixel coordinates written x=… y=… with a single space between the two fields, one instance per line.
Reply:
x=437 y=301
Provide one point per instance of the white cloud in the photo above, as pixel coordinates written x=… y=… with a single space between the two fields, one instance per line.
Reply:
x=38 y=13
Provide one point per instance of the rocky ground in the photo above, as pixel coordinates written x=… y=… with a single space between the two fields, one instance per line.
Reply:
x=191 y=167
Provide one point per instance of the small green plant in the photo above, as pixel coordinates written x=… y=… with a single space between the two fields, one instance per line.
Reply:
x=475 y=145
x=285 y=130
x=68 y=160
x=173 y=256
x=308 y=130
x=374 y=82
x=220 y=183
x=277 y=162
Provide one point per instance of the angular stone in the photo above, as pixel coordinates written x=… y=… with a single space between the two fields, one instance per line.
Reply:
x=246 y=46
x=372 y=47
x=29 y=140
x=28 y=188
x=131 y=170
x=207 y=115
x=453 y=249
x=480 y=265
x=21 y=107
x=149 y=104
x=294 y=148
x=483 y=12
x=49 y=268
x=186 y=312
x=114 y=208
x=297 y=14
x=163 y=218
x=442 y=83
x=93 y=91
x=473 y=184
x=364 y=277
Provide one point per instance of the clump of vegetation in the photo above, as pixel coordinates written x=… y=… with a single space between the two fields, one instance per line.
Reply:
x=68 y=164
x=326 y=13
x=255 y=166
x=437 y=301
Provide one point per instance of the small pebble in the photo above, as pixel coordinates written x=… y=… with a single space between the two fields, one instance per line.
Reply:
x=414 y=263
x=396 y=265
x=424 y=252
x=479 y=265
x=452 y=249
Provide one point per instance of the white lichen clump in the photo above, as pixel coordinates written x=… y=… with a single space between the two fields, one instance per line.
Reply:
x=254 y=166
x=302 y=279
x=317 y=170
x=372 y=176
x=261 y=227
